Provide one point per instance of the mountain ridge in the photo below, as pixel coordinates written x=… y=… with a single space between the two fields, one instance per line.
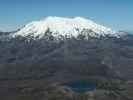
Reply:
x=83 y=54
x=65 y=27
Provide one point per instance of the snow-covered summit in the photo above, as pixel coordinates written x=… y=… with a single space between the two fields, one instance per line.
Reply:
x=60 y=26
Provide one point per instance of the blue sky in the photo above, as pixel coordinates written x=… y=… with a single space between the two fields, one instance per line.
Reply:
x=117 y=14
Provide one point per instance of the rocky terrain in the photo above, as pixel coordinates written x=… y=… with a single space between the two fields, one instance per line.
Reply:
x=36 y=60
x=41 y=90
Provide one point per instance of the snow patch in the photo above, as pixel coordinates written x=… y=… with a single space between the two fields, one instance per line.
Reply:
x=61 y=26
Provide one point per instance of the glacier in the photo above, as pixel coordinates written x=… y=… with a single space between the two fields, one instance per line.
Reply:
x=63 y=26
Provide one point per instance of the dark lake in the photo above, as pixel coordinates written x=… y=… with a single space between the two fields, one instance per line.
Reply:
x=81 y=86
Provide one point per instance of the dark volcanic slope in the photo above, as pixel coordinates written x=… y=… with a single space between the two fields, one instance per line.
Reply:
x=22 y=58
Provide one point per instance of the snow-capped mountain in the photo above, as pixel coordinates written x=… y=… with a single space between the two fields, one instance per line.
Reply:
x=30 y=52
x=64 y=27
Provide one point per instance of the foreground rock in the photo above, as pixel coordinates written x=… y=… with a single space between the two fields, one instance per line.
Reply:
x=42 y=90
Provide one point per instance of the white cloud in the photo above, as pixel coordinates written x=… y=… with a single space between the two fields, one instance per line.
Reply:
x=8 y=27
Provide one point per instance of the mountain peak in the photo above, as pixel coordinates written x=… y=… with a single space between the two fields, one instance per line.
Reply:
x=62 y=26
